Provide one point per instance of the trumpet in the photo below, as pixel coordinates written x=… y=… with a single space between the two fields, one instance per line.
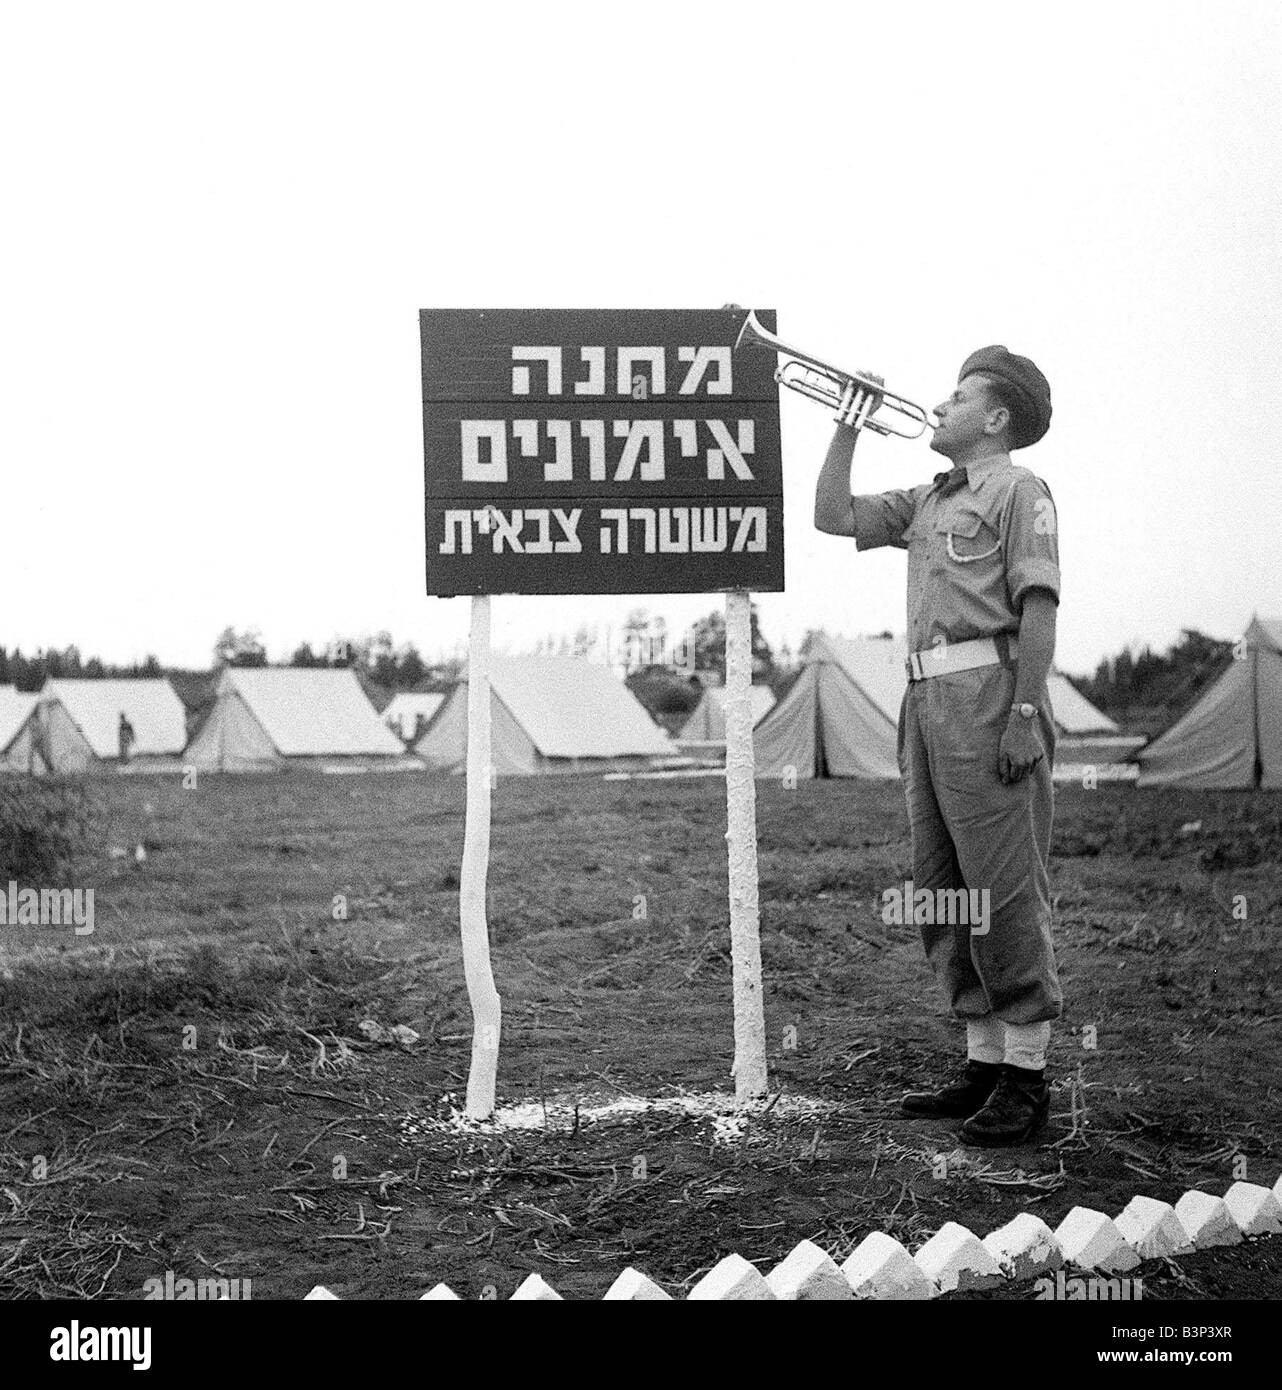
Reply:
x=809 y=376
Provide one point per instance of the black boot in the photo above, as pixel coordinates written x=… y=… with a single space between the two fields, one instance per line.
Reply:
x=955 y=1102
x=1015 y=1111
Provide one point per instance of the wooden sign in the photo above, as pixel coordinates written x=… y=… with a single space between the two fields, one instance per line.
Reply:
x=599 y=452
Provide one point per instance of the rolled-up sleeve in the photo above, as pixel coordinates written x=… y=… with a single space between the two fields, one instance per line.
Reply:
x=881 y=518
x=1030 y=539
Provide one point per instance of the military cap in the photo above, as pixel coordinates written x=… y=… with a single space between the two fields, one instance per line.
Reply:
x=1034 y=391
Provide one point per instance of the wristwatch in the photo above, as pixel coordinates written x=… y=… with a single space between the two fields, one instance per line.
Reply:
x=1027 y=710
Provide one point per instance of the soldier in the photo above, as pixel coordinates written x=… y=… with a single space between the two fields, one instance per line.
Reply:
x=976 y=729
x=125 y=737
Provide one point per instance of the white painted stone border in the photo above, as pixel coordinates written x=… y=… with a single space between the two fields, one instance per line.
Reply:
x=955 y=1258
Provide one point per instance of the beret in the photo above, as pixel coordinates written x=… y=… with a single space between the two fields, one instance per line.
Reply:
x=1030 y=385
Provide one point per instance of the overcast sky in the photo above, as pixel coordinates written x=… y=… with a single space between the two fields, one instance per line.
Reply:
x=221 y=221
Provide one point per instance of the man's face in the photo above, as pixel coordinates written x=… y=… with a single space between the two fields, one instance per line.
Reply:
x=963 y=418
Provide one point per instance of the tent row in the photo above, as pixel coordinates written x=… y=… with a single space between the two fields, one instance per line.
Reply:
x=75 y=726
x=841 y=717
x=549 y=714
x=260 y=719
x=566 y=714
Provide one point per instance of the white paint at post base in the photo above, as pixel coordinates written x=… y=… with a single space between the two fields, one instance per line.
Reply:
x=1207 y=1221
x=320 y=1292
x=955 y=1258
x=483 y=997
x=1255 y=1209
x=879 y=1267
x=440 y=1293
x=534 y=1290
x=732 y=1279
x=749 y=1068
x=808 y=1273
x=1025 y=1248
x=1091 y=1240
x=1151 y=1228
x=731 y=1121
x=634 y=1287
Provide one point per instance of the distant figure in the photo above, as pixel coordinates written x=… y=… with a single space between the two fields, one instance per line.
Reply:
x=126 y=736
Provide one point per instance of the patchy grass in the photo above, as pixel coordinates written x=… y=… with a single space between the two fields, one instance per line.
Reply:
x=45 y=824
x=194 y=1090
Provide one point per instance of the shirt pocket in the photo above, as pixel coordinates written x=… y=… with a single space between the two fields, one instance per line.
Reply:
x=969 y=537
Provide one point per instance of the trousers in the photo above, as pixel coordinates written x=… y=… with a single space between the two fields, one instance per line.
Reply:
x=972 y=831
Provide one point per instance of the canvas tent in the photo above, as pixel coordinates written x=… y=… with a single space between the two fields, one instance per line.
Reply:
x=549 y=714
x=841 y=717
x=1087 y=737
x=1232 y=735
x=77 y=724
x=271 y=717
x=410 y=712
x=20 y=749
x=707 y=722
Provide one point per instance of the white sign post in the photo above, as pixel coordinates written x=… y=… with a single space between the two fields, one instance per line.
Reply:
x=481 y=993
x=749 y=1068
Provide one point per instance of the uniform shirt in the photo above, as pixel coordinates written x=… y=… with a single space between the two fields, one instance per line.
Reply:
x=978 y=538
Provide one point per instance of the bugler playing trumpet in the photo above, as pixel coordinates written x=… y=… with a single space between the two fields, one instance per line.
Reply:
x=976 y=734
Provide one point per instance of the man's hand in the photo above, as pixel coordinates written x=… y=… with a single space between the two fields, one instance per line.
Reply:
x=1021 y=749
x=857 y=404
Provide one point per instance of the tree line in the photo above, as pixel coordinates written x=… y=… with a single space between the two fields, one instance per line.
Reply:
x=29 y=673
x=376 y=656
x=1145 y=690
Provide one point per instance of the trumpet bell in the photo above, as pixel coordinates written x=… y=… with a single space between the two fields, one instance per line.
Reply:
x=751 y=334
x=812 y=377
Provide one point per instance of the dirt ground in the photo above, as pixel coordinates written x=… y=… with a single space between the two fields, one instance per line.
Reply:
x=189 y=1089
